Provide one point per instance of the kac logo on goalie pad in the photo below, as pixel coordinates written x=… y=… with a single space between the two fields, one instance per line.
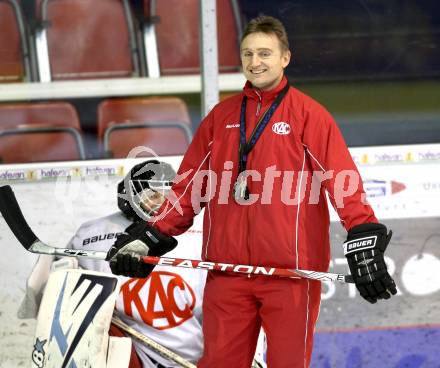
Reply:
x=74 y=319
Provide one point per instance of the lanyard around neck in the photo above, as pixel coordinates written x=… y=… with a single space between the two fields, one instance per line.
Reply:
x=246 y=147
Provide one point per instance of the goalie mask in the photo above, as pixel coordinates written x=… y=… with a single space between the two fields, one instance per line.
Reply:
x=144 y=189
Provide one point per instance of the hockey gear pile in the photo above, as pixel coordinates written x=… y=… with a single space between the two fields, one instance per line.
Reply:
x=364 y=249
x=139 y=239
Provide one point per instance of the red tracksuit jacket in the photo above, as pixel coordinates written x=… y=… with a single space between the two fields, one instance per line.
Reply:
x=301 y=139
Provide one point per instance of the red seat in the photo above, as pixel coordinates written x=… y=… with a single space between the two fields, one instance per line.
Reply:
x=11 y=57
x=161 y=124
x=88 y=39
x=177 y=33
x=36 y=132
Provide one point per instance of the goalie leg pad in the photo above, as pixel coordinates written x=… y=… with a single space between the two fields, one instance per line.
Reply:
x=37 y=281
x=74 y=319
x=34 y=287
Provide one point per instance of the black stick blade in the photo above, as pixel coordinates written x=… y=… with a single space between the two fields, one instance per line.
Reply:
x=11 y=212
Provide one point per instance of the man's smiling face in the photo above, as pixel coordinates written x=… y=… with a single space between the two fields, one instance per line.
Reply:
x=263 y=60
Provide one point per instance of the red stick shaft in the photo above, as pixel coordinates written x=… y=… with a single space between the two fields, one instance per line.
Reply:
x=217 y=266
x=246 y=269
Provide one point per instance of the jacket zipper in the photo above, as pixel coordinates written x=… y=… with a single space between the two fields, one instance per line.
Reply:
x=259 y=104
x=249 y=248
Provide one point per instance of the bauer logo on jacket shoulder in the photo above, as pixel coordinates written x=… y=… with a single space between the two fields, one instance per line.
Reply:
x=281 y=128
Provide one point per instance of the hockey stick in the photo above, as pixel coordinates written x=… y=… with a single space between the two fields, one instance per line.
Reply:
x=158 y=348
x=13 y=216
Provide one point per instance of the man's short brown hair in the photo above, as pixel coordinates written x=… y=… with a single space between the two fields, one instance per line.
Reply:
x=269 y=25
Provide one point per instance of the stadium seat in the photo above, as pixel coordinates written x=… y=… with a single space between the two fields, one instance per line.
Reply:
x=14 y=55
x=36 y=132
x=86 y=39
x=160 y=124
x=178 y=50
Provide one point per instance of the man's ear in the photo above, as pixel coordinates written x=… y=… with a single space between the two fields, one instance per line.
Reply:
x=286 y=58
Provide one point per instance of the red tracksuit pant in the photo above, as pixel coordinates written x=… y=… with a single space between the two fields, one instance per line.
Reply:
x=236 y=306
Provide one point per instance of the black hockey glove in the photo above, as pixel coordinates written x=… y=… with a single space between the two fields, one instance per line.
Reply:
x=364 y=249
x=139 y=239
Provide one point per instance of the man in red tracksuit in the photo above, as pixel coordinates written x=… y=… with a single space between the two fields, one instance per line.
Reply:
x=261 y=164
